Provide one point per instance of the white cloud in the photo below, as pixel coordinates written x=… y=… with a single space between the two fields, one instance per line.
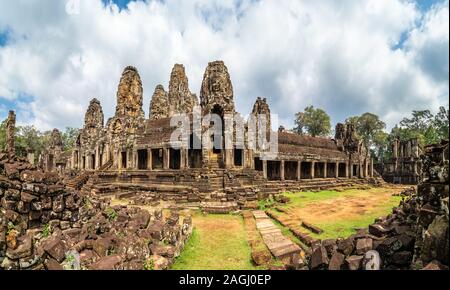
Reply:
x=336 y=55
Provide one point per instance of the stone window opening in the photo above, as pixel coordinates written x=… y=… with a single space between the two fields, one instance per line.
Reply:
x=142 y=159
x=290 y=170
x=331 y=170
x=273 y=170
x=305 y=170
x=194 y=154
x=238 y=157
x=319 y=170
x=92 y=161
x=355 y=170
x=157 y=158
x=124 y=159
x=341 y=171
x=175 y=159
x=258 y=164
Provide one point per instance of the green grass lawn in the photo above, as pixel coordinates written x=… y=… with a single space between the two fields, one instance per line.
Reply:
x=218 y=242
x=376 y=201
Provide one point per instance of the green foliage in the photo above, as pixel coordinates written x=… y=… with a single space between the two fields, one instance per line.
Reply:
x=111 y=214
x=149 y=264
x=10 y=228
x=30 y=138
x=424 y=126
x=313 y=121
x=69 y=137
x=370 y=128
x=266 y=203
x=46 y=231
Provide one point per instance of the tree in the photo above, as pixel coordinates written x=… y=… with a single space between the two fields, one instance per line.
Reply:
x=69 y=137
x=441 y=121
x=313 y=121
x=424 y=126
x=370 y=128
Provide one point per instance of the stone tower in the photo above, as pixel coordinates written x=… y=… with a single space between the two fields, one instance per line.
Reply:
x=217 y=90
x=159 y=105
x=94 y=117
x=129 y=94
x=181 y=100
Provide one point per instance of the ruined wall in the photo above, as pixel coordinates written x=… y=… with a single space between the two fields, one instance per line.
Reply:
x=405 y=164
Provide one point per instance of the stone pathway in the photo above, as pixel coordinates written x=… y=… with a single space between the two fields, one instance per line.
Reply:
x=294 y=225
x=280 y=246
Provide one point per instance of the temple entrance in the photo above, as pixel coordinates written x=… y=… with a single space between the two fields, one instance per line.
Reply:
x=319 y=170
x=217 y=138
x=142 y=159
x=124 y=159
x=305 y=170
x=258 y=164
x=194 y=154
x=84 y=162
x=290 y=170
x=238 y=156
x=157 y=158
x=341 y=172
x=100 y=159
x=93 y=161
x=174 y=158
x=331 y=170
x=273 y=170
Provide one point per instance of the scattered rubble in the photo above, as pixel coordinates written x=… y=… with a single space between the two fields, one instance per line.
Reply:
x=414 y=236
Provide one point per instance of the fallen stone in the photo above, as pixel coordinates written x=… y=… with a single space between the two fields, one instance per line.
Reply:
x=354 y=262
x=336 y=262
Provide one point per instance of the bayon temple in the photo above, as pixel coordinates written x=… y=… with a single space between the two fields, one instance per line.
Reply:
x=133 y=153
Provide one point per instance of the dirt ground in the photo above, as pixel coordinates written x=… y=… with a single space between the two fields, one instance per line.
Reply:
x=348 y=206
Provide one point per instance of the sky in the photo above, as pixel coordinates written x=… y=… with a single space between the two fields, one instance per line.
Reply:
x=348 y=57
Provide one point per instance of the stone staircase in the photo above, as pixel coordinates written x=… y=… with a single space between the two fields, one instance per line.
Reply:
x=78 y=181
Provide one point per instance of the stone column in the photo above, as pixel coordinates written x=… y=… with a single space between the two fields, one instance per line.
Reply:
x=313 y=165
x=264 y=162
x=325 y=169
x=366 y=168
x=183 y=158
x=347 y=171
x=166 y=158
x=299 y=170
x=282 y=170
x=371 y=167
x=336 y=170
x=10 y=134
x=149 y=158
x=350 y=165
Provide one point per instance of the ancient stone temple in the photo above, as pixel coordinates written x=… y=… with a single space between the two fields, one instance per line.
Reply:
x=405 y=165
x=54 y=158
x=132 y=151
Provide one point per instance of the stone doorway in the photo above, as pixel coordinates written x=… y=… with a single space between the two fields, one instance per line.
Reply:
x=305 y=170
x=273 y=170
x=290 y=170
x=174 y=158
x=341 y=172
x=238 y=157
x=124 y=159
x=142 y=159
x=157 y=158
